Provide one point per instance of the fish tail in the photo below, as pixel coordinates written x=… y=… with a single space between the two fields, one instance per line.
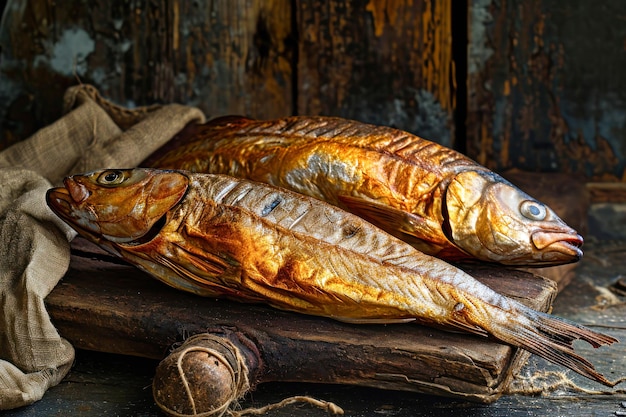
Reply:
x=551 y=338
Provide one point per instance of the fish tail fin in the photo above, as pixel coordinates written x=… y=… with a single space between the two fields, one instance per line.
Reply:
x=551 y=338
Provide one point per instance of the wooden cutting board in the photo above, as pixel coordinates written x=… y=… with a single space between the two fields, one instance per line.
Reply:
x=105 y=305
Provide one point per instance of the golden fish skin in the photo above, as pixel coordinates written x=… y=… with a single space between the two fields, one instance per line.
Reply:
x=253 y=242
x=430 y=196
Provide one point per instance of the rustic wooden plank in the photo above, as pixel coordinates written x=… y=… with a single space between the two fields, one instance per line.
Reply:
x=222 y=56
x=607 y=214
x=607 y=192
x=543 y=94
x=104 y=306
x=378 y=61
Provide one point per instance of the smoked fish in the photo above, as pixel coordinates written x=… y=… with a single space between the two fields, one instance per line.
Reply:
x=220 y=236
x=438 y=200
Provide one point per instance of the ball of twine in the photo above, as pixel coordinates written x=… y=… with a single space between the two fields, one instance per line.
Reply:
x=201 y=378
x=206 y=376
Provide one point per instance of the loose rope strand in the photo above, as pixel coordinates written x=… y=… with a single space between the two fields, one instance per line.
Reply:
x=544 y=382
x=330 y=407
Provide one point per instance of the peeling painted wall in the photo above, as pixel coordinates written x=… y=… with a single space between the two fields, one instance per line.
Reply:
x=223 y=56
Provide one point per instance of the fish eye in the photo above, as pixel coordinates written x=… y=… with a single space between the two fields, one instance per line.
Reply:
x=113 y=177
x=533 y=210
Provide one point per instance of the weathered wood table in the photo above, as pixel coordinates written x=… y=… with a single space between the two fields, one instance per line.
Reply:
x=105 y=305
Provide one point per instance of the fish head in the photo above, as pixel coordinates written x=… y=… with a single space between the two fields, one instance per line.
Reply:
x=117 y=205
x=492 y=220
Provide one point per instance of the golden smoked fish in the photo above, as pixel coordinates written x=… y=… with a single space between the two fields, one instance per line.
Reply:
x=219 y=236
x=430 y=196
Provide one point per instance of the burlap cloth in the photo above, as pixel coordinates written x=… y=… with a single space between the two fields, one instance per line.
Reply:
x=34 y=243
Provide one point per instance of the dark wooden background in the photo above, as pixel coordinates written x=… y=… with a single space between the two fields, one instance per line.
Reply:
x=547 y=89
x=531 y=84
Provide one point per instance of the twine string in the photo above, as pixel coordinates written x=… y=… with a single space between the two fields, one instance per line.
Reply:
x=331 y=408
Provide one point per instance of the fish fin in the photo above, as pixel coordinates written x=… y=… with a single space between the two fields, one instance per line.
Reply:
x=208 y=263
x=467 y=328
x=404 y=225
x=207 y=277
x=193 y=282
x=373 y=320
x=162 y=269
x=551 y=338
x=382 y=215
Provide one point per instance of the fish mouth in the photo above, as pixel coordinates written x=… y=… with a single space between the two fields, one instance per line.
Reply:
x=60 y=201
x=76 y=190
x=558 y=245
x=63 y=198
